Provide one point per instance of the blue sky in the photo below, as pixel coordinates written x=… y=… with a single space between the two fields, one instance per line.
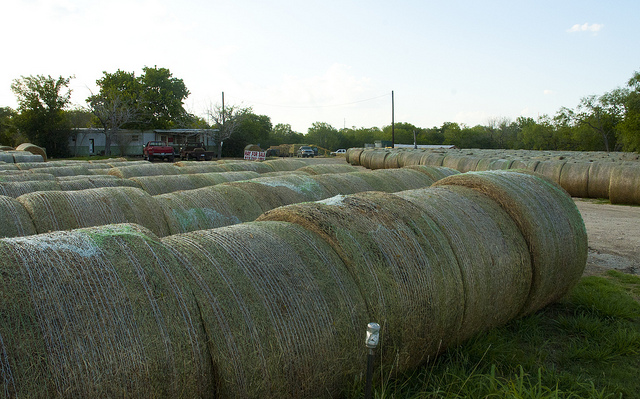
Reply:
x=301 y=62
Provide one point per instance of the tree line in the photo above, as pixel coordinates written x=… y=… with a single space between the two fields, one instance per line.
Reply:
x=155 y=100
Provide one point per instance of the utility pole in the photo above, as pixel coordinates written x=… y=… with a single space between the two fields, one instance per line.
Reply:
x=393 y=133
x=221 y=130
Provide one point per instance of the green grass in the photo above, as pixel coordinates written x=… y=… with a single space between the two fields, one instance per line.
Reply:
x=586 y=346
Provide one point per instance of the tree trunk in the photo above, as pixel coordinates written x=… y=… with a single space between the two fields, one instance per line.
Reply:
x=107 y=143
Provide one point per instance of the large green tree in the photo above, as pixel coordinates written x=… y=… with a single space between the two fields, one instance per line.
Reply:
x=629 y=128
x=282 y=133
x=8 y=130
x=42 y=101
x=163 y=98
x=323 y=135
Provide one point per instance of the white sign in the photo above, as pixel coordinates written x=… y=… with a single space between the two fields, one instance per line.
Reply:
x=255 y=155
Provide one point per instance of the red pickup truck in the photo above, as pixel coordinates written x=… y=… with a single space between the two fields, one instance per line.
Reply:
x=157 y=150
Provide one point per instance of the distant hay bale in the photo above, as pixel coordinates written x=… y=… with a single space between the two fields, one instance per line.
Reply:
x=550 y=169
x=107 y=160
x=156 y=185
x=65 y=170
x=493 y=164
x=434 y=172
x=549 y=221
x=76 y=184
x=101 y=312
x=145 y=169
x=6 y=148
x=26 y=156
x=353 y=156
x=379 y=181
x=207 y=208
x=199 y=167
x=574 y=177
x=6 y=157
x=599 y=179
x=14 y=219
x=323 y=168
x=405 y=178
x=432 y=159
x=411 y=158
x=67 y=210
x=34 y=149
x=254 y=166
x=526 y=164
x=18 y=188
x=461 y=163
x=283 y=165
x=343 y=183
x=392 y=160
x=26 y=176
x=492 y=254
x=26 y=166
x=374 y=159
x=306 y=188
x=402 y=263
x=625 y=185
x=283 y=315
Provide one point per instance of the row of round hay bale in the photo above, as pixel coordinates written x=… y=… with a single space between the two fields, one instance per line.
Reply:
x=322 y=168
x=68 y=183
x=493 y=164
x=73 y=170
x=199 y=167
x=207 y=208
x=108 y=160
x=17 y=188
x=259 y=167
x=100 y=312
x=549 y=221
x=624 y=186
x=401 y=262
x=26 y=176
x=306 y=187
x=145 y=169
x=283 y=317
x=285 y=164
x=67 y=210
x=14 y=219
x=434 y=172
x=25 y=157
x=6 y=157
x=461 y=163
x=156 y=185
x=34 y=149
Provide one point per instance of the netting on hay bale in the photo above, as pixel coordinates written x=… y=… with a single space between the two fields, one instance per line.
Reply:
x=67 y=210
x=207 y=208
x=258 y=167
x=492 y=254
x=27 y=166
x=25 y=156
x=14 y=219
x=284 y=165
x=599 y=179
x=18 y=188
x=405 y=178
x=434 y=172
x=624 y=187
x=283 y=315
x=305 y=187
x=402 y=263
x=26 y=176
x=343 y=183
x=100 y=312
x=145 y=169
x=113 y=163
x=549 y=221
x=200 y=167
x=574 y=177
x=320 y=169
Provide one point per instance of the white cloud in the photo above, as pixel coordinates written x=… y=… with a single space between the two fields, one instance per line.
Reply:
x=548 y=92
x=594 y=28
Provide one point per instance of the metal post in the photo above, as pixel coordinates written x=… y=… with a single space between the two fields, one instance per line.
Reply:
x=371 y=340
x=393 y=122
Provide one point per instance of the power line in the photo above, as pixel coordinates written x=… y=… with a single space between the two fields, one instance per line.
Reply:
x=313 y=106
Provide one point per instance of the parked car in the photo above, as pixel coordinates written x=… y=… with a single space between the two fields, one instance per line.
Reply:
x=341 y=151
x=305 y=151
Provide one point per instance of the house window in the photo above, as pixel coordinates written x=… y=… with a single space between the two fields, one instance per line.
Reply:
x=135 y=138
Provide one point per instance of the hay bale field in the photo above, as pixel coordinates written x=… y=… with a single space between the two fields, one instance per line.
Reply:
x=34 y=149
x=491 y=253
x=67 y=210
x=549 y=221
x=402 y=263
x=207 y=208
x=283 y=316
x=17 y=188
x=14 y=219
x=624 y=187
x=100 y=312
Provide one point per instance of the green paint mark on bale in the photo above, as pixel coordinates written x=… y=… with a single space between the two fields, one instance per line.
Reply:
x=282 y=314
x=549 y=221
x=66 y=210
x=102 y=312
x=401 y=262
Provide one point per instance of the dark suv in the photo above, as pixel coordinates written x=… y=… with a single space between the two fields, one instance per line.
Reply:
x=305 y=151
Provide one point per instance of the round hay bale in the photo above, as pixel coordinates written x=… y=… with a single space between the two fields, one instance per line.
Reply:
x=407 y=179
x=305 y=187
x=102 y=312
x=200 y=167
x=108 y=160
x=285 y=165
x=342 y=183
x=380 y=182
x=75 y=170
x=411 y=158
x=252 y=147
x=353 y=156
x=145 y=169
x=491 y=252
x=549 y=221
x=67 y=210
x=208 y=208
x=574 y=177
x=625 y=185
x=432 y=159
x=434 y=172
x=461 y=163
x=324 y=168
x=26 y=157
x=26 y=176
x=550 y=169
x=493 y=164
x=254 y=166
x=6 y=157
x=34 y=149
x=391 y=161
x=18 y=188
x=283 y=315
x=599 y=179
x=401 y=262
x=76 y=184
x=375 y=159
x=14 y=219
x=156 y=185
x=112 y=181
x=525 y=164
